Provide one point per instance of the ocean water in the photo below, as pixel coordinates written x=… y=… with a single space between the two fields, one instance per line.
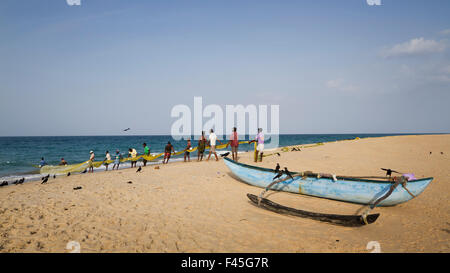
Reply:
x=19 y=154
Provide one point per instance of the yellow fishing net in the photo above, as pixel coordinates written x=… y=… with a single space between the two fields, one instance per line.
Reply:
x=48 y=169
x=74 y=168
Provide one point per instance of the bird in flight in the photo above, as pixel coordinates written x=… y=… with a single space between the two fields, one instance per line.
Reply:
x=126 y=129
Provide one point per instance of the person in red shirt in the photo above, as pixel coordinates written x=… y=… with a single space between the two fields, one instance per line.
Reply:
x=168 y=150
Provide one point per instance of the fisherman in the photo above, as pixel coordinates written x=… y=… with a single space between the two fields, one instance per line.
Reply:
x=62 y=162
x=146 y=153
x=167 y=152
x=107 y=160
x=212 y=144
x=187 y=151
x=91 y=161
x=201 y=147
x=42 y=163
x=260 y=147
x=133 y=153
x=234 y=143
x=117 y=160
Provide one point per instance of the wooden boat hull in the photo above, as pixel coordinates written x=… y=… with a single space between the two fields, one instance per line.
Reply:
x=342 y=220
x=359 y=191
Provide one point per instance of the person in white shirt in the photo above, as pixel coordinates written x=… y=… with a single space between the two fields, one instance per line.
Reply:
x=212 y=144
x=107 y=160
x=133 y=153
x=91 y=161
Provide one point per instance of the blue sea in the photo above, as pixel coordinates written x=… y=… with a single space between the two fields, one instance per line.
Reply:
x=19 y=154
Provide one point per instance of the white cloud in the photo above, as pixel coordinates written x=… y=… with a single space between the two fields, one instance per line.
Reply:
x=417 y=46
x=341 y=85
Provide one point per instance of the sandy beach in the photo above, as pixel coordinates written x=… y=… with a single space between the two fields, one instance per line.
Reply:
x=200 y=207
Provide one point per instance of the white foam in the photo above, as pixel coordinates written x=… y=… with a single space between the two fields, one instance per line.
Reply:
x=28 y=177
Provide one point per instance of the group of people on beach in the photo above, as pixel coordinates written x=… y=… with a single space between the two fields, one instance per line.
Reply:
x=132 y=153
x=169 y=150
x=212 y=139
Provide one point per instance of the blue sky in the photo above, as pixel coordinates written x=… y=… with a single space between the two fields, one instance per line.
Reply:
x=332 y=66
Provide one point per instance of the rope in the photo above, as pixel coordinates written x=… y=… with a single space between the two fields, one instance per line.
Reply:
x=391 y=190
x=404 y=186
x=273 y=183
x=402 y=180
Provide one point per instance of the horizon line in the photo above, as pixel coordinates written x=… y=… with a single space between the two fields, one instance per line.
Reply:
x=415 y=133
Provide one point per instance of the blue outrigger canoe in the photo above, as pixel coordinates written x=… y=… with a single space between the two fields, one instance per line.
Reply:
x=354 y=190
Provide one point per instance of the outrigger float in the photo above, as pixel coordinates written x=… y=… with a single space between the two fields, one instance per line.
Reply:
x=370 y=190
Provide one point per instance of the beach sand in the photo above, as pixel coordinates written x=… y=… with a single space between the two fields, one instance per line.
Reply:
x=199 y=207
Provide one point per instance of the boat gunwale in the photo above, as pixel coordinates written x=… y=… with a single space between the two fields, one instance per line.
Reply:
x=338 y=177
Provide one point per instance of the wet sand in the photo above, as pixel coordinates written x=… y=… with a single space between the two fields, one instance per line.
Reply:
x=200 y=207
